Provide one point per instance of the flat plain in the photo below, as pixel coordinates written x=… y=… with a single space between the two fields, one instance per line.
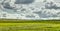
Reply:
x=29 y=25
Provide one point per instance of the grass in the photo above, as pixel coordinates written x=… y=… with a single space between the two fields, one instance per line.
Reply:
x=29 y=25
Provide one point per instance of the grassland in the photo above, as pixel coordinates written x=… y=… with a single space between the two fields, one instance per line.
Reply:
x=29 y=25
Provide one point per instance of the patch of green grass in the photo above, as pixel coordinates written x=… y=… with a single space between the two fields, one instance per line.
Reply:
x=29 y=25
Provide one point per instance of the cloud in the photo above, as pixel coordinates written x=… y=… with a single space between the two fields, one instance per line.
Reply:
x=22 y=9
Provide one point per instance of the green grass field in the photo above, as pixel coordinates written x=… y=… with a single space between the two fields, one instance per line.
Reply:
x=29 y=25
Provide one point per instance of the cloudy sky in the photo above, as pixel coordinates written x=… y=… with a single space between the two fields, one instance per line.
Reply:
x=30 y=9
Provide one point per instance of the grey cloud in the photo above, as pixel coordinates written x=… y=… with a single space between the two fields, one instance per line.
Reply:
x=51 y=6
x=24 y=1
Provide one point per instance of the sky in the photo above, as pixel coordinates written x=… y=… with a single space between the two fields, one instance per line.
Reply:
x=30 y=9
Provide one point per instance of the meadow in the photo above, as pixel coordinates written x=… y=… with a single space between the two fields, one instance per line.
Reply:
x=29 y=25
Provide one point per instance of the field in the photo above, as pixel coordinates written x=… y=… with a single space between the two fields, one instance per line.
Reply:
x=29 y=25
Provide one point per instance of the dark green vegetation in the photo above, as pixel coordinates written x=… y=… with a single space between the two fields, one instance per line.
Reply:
x=29 y=25
x=24 y=21
x=28 y=21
